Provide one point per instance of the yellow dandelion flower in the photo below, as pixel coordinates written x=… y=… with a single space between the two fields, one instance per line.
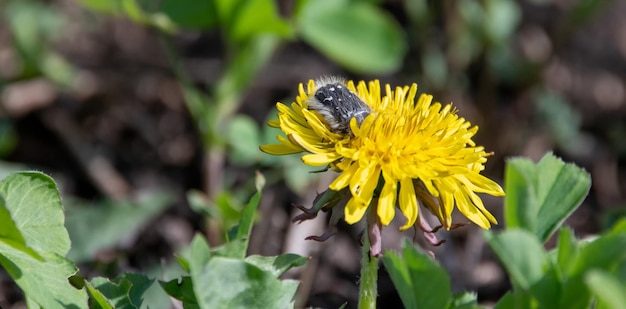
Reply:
x=405 y=151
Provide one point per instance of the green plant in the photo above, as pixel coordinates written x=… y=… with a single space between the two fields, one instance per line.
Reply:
x=574 y=274
x=34 y=244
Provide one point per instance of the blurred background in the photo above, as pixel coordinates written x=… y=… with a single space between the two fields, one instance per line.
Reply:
x=149 y=114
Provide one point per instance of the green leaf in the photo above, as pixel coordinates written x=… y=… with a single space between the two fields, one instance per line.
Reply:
x=45 y=283
x=96 y=227
x=229 y=208
x=515 y=299
x=135 y=12
x=226 y=10
x=190 y=14
x=521 y=254
x=608 y=290
x=9 y=233
x=567 y=248
x=140 y=284
x=105 y=6
x=540 y=197
x=254 y=17
x=35 y=206
x=465 y=300
x=97 y=300
x=562 y=188
x=200 y=253
x=231 y=283
x=244 y=138
x=240 y=234
x=420 y=282
x=125 y=291
x=505 y=302
x=277 y=265
x=619 y=227
x=501 y=20
x=520 y=203
x=233 y=249
x=247 y=216
x=604 y=253
x=58 y=70
x=155 y=297
x=357 y=35
x=547 y=290
x=246 y=61
x=181 y=290
x=31 y=35
x=183 y=262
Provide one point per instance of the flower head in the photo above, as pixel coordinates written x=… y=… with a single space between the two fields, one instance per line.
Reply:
x=407 y=151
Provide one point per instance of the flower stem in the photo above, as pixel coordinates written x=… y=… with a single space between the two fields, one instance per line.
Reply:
x=368 y=289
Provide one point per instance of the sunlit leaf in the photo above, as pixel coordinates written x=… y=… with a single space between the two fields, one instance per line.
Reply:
x=608 y=290
x=191 y=14
x=604 y=253
x=44 y=282
x=567 y=248
x=254 y=17
x=181 y=289
x=420 y=282
x=277 y=265
x=125 y=291
x=541 y=196
x=357 y=35
x=232 y=283
x=521 y=253
x=34 y=204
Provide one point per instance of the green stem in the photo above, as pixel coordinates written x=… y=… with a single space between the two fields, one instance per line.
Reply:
x=368 y=289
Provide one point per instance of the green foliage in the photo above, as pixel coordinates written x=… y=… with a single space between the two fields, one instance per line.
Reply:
x=608 y=289
x=189 y=14
x=32 y=38
x=575 y=274
x=420 y=281
x=225 y=278
x=569 y=278
x=241 y=285
x=355 y=34
x=35 y=242
x=244 y=19
x=540 y=197
x=361 y=37
x=524 y=266
x=125 y=291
